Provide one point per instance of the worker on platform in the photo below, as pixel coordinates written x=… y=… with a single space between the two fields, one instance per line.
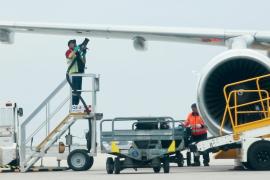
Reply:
x=198 y=133
x=78 y=67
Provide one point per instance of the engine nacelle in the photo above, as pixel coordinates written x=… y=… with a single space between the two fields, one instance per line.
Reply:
x=230 y=66
x=6 y=36
x=140 y=43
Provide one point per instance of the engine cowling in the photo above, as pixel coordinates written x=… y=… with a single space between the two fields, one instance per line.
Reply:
x=140 y=43
x=230 y=66
x=6 y=36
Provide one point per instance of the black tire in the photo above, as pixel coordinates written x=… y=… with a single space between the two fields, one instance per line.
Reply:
x=79 y=160
x=246 y=165
x=157 y=169
x=109 y=165
x=180 y=159
x=14 y=162
x=180 y=164
x=166 y=165
x=259 y=156
x=117 y=165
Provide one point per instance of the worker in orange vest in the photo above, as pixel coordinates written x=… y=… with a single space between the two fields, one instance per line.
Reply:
x=198 y=133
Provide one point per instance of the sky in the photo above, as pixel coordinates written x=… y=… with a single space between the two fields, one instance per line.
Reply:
x=159 y=82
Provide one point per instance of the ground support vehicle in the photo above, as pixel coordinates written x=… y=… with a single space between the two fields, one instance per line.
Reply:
x=141 y=142
x=245 y=127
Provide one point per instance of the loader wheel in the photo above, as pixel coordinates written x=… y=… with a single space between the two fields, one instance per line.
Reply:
x=259 y=155
x=246 y=165
x=157 y=169
x=117 y=165
x=109 y=165
x=79 y=160
x=166 y=165
x=180 y=159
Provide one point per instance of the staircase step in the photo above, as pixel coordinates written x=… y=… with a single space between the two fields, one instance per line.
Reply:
x=56 y=130
x=52 y=137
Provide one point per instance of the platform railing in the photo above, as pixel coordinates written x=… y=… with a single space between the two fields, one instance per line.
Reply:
x=232 y=111
x=44 y=105
x=127 y=132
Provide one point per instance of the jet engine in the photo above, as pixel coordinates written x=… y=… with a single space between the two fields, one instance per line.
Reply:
x=230 y=66
x=6 y=36
x=139 y=43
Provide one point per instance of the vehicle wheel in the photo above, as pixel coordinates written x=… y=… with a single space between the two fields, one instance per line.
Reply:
x=79 y=160
x=180 y=164
x=109 y=165
x=259 y=155
x=188 y=159
x=157 y=169
x=246 y=164
x=166 y=165
x=117 y=165
x=14 y=162
x=180 y=159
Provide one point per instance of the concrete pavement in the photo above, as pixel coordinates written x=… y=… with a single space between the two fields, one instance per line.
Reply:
x=218 y=170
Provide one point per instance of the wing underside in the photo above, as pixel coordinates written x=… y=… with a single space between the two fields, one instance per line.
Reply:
x=188 y=35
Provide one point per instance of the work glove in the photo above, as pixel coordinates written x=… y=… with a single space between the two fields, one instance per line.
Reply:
x=77 y=48
x=198 y=126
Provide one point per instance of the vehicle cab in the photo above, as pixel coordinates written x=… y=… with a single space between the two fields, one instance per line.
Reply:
x=9 y=130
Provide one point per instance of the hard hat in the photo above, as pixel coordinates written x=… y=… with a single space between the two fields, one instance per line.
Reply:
x=194 y=105
x=71 y=41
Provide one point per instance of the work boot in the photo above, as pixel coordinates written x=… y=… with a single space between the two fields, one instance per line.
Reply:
x=74 y=108
x=188 y=159
x=196 y=164
x=206 y=159
x=197 y=161
x=206 y=164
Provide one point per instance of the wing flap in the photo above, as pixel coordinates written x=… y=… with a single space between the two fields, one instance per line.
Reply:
x=190 y=35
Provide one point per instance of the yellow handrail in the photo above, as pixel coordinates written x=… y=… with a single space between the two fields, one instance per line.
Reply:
x=228 y=96
x=228 y=108
x=252 y=102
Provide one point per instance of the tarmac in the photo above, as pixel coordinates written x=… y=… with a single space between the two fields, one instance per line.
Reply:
x=218 y=170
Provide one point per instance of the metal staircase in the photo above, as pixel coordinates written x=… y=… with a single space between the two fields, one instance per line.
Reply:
x=52 y=135
x=58 y=131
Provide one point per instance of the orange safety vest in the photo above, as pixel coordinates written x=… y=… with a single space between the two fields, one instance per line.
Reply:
x=194 y=119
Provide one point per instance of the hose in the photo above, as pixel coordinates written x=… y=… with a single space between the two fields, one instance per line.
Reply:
x=77 y=93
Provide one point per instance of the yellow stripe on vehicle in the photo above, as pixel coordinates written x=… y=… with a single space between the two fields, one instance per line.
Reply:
x=172 y=148
x=115 y=148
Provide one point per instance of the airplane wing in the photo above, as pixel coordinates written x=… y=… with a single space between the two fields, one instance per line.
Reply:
x=139 y=34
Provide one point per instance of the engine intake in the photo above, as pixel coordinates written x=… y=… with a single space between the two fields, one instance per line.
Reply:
x=140 y=43
x=6 y=36
x=228 y=67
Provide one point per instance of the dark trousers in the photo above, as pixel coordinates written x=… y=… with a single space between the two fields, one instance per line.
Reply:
x=77 y=85
x=205 y=155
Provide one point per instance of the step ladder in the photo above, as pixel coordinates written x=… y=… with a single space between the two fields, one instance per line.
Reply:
x=27 y=161
x=59 y=130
